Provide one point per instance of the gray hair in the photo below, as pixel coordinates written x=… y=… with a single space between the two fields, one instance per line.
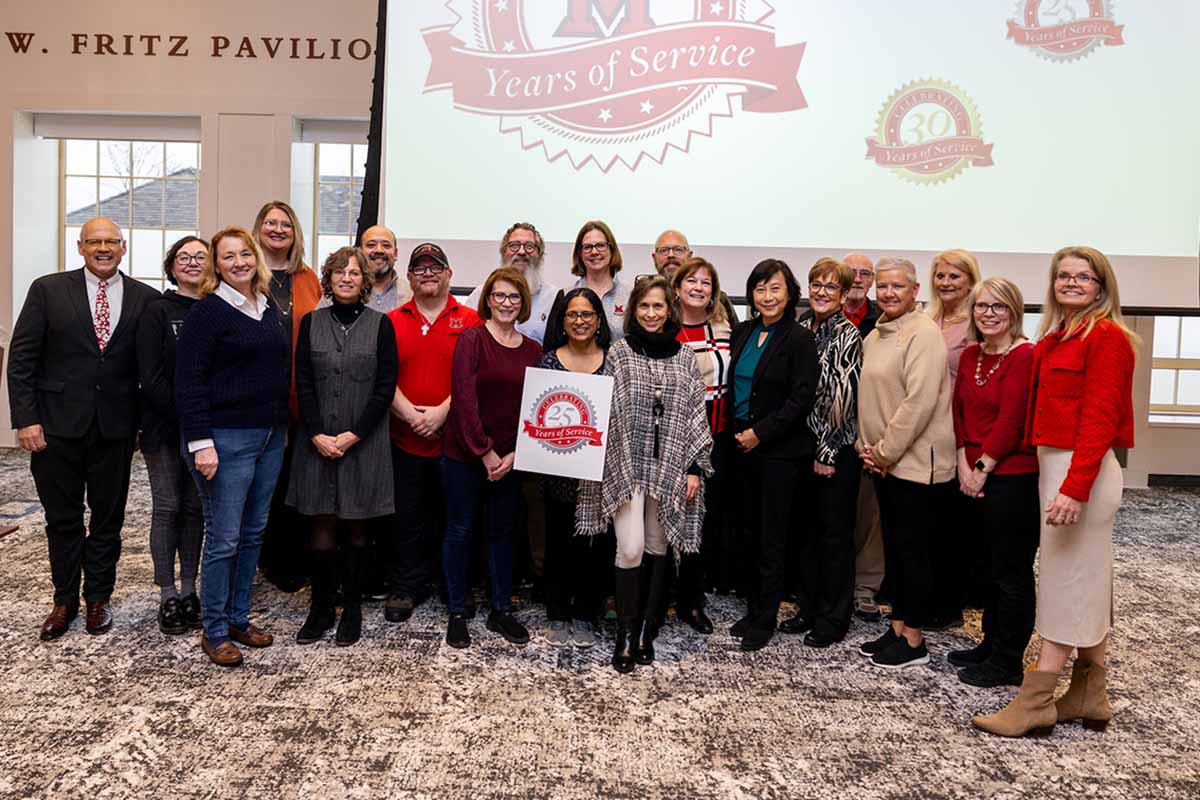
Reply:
x=892 y=262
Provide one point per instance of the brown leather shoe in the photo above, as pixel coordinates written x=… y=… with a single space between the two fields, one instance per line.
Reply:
x=59 y=621
x=226 y=654
x=251 y=637
x=99 y=618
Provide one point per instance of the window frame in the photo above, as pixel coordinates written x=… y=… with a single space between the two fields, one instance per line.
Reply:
x=1176 y=365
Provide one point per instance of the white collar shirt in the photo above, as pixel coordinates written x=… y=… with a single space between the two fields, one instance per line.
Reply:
x=239 y=301
x=114 y=287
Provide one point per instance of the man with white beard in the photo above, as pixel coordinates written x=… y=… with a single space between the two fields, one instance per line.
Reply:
x=523 y=248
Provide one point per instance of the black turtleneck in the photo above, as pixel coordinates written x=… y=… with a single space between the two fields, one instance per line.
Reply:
x=385 y=375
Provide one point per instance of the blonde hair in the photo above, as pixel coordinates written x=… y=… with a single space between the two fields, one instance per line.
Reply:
x=716 y=309
x=262 y=275
x=1007 y=293
x=1107 y=305
x=296 y=251
x=961 y=260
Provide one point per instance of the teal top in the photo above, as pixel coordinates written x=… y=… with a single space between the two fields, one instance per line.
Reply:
x=743 y=374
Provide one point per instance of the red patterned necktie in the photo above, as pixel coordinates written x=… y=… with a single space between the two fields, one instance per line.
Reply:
x=102 y=316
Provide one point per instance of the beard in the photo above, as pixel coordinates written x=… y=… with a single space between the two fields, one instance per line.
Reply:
x=381 y=268
x=531 y=268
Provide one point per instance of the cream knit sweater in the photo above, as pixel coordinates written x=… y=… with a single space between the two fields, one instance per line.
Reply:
x=904 y=400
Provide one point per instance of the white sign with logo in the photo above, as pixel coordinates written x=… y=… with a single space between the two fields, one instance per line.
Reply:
x=564 y=423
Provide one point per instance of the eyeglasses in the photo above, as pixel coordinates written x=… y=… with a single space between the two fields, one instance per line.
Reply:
x=824 y=288
x=348 y=272
x=580 y=316
x=273 y=224
x=999 y=309
x=500 y=298
x=599 y=247
x=183 y=259
x=675 y=249
x=105 y=242
x=517 y=247
x=427 y=269
x=1082 y=279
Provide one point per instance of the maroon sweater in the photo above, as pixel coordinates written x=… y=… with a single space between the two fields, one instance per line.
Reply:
x=486 y=379
x=991 y=418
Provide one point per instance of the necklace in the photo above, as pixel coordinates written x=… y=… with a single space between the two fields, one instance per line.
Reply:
x=281 y=285
x=996 y=366
x=347 y=328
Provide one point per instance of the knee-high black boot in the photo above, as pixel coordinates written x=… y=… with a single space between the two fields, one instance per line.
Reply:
x=654 y=605
x=321 y=613
x=350 y=625
x=628 y=602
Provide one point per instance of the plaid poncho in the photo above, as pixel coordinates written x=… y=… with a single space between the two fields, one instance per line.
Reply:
x=684 y=440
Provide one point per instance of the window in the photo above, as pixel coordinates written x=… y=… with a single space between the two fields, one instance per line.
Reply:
x=340 y=169
x=1175 y=375
x=150 y=189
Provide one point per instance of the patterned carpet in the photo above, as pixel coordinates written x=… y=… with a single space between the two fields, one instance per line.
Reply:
x=137 y=714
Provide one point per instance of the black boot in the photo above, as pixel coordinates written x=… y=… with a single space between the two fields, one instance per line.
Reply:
x=350 y=625
x=321 y=613
x=628 y=602
x=654 y=605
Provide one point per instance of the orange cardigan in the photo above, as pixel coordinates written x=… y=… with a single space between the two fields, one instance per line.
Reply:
x=306 y=293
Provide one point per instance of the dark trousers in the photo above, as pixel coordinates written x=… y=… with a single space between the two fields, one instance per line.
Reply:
x=951 y=550
x=828 y=572
x=467 y=491
x=576 y=572
x=905 y=508
x=1008 y=519
x=413 y=557
x=284 y=557
x=770 y=502
x=721 y=549
x=65 y=472
x=176 y=518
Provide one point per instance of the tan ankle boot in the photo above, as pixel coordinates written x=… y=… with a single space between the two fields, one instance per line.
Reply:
x=1031 y=712
x=1087 y=699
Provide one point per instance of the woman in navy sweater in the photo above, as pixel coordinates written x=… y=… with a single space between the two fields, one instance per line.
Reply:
x=231 y=386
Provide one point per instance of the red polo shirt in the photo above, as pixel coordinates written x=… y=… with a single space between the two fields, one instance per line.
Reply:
x=425 y=360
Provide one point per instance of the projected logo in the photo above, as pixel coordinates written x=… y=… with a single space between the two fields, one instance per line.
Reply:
x=1065 y=30
x=562 y=421
x=929 y=132
x=612 y=82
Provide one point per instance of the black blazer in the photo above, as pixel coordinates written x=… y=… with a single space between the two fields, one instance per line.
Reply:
x=57 y=377
x=783 y=390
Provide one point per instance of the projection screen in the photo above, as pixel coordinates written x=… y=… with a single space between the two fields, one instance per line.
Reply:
x=802 y=129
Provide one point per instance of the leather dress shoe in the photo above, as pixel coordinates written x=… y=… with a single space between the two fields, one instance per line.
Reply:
x=226 y=654
x=738 y=629
x=59 y=621
x=697 y=620
x=251 y=637
x=756 y=639
x=797 y=624
x=820 y=639
x=170 y=617
x=99 y=618
x=398 y=608
x=190 y=608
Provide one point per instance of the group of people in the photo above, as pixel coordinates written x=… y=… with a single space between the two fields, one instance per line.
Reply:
x=834 y=454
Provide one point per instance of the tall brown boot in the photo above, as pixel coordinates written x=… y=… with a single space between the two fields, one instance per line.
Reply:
x=1031 y=712
x=1086 y=700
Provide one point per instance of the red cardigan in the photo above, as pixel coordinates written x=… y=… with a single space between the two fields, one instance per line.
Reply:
x=1082 y=400
x=991 y=418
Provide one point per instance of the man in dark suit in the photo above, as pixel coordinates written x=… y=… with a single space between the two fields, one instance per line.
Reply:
x=73 y=388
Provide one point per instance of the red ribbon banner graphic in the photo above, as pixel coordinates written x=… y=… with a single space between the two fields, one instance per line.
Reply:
x=926 y=153
x=565 y=436
x=555 y=79
x=1080 y=32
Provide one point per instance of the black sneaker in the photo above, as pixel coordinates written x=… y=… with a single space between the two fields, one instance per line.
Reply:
x=170 y=617
x=505 y=624
x=457 y=634
x=882 y=643
x=901 y=655
x=987 y=676
x=190 y=608
x=971 y=657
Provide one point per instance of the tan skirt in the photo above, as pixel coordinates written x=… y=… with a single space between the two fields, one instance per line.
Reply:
x=1075 y=563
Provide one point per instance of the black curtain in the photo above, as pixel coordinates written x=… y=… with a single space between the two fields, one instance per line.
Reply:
x=368 y=214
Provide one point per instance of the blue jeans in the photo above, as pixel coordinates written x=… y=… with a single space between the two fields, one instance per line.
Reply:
x=236 y=503
x=466 y=487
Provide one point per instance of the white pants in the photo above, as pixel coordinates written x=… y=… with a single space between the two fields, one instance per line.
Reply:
x=638 y=530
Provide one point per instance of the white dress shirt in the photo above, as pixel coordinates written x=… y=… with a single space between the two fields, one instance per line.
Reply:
x=114 y=287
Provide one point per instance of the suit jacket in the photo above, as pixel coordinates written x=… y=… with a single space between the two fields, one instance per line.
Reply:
x=57 y=376
x=783 y=389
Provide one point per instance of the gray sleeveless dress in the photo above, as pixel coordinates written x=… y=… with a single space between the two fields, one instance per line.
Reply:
x=359 y=484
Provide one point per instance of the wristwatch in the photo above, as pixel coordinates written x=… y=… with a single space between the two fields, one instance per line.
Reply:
x=979 y=465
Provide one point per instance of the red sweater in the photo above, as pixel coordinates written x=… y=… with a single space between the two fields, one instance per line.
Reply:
x=1098 y=367
x=486 y=380
x=991 y=418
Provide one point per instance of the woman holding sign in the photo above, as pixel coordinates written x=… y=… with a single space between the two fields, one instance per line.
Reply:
x=577 y=340
x=478 y=449
x=659 y=450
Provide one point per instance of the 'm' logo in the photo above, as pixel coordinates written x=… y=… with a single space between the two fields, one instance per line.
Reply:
x=596 y=18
